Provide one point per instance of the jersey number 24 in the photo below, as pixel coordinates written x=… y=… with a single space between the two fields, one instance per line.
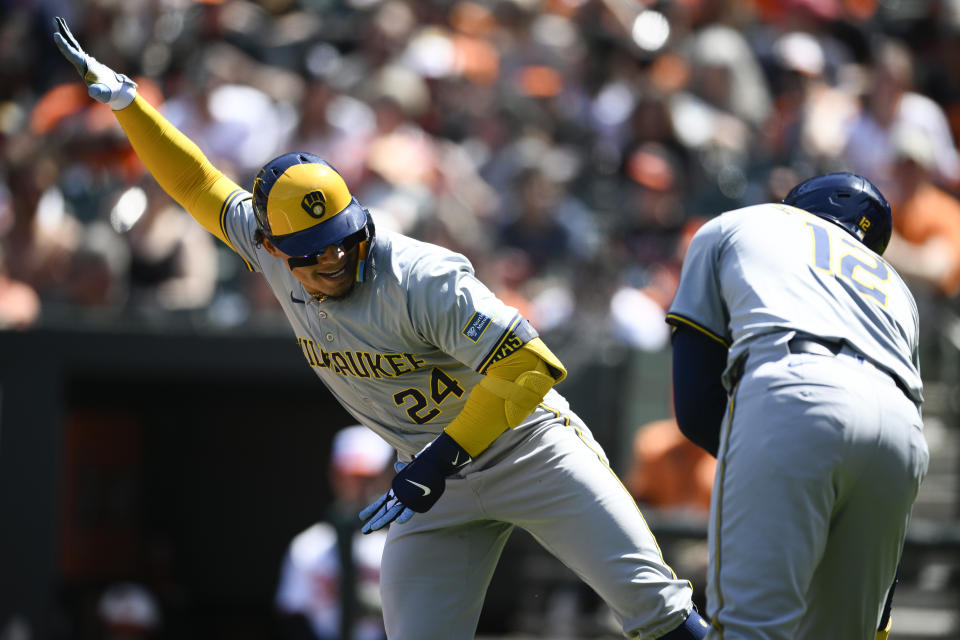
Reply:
x=441 y=386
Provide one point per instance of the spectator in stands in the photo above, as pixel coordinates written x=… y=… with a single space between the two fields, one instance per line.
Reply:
x=43 y=235
x=97 y=275
x=332 y=125
x=19 y=303
x=889 y=103
x=654 y=207
x=925 y=246
x=668 y=471
x=173 y=261
x=330 y=580
x=811 y=113
x=536 y=228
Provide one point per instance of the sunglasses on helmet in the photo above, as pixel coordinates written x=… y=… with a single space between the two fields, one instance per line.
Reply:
x=346 y=244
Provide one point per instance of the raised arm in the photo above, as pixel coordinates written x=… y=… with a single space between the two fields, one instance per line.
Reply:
x=174 y=161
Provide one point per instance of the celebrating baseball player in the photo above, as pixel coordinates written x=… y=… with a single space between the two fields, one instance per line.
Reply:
x=795 y=363
x=422 y=353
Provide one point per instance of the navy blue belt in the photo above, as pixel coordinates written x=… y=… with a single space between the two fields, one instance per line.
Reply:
x=819 y=347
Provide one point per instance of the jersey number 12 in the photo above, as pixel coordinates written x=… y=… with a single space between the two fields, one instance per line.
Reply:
x=853 y=262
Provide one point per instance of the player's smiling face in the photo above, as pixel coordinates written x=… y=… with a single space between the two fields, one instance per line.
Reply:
x=332 y=275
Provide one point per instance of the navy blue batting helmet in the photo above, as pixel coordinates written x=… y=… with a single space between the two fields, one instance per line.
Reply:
x=850 y=201
x=302 y=204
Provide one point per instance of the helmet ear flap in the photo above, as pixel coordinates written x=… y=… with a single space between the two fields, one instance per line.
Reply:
x=260 y=205
x=370 y=226
x=364 y=248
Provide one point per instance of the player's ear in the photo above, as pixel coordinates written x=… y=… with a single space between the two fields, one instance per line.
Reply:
x=272 y=248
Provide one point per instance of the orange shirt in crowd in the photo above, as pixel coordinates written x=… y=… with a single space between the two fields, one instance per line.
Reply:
x=669 y=471
x=932 y=213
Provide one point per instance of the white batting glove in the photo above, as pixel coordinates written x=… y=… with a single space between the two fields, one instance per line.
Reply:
x=103 y=83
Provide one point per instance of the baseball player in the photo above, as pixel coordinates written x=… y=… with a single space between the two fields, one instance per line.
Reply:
x=795 y=362
x=422 y=353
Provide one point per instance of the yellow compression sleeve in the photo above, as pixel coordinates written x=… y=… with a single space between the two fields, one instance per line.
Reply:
x=178 y=166
x=508 y=394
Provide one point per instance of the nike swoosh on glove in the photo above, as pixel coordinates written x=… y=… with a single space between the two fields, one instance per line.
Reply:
x=417 y=485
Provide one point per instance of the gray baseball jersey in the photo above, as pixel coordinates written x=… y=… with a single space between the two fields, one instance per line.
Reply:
x=402 y=352
x=821 y=456
x=753 y=274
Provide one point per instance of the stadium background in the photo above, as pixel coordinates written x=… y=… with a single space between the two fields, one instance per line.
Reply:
x=156 y=421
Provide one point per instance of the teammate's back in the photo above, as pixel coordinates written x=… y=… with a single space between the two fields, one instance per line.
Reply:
x=795 y=363
x=768 y=257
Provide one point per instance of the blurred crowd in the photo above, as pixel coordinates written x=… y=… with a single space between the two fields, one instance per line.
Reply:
x=569 y=148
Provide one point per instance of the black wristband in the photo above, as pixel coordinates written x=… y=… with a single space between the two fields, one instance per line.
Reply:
x=421 y=483
x=448 y=455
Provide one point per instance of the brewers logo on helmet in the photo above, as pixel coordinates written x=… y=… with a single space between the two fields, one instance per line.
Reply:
x=303 y=205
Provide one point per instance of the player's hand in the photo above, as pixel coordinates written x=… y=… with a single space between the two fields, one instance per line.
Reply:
x=417 y=485
x=386 y=509
x=103 y=83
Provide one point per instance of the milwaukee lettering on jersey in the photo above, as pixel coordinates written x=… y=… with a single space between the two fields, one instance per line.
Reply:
x=360 y=364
